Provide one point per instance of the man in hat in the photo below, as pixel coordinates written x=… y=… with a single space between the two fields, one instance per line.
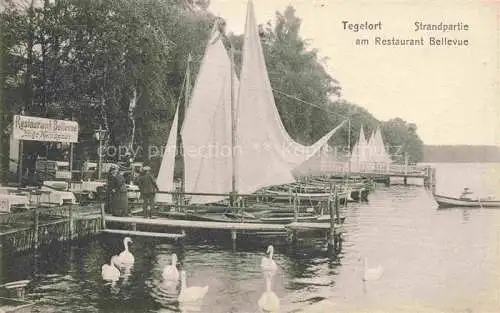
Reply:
x=147 y=186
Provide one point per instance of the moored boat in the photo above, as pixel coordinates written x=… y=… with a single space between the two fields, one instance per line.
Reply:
x=452 y=202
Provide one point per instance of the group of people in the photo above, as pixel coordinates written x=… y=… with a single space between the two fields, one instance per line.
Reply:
x=116 y=192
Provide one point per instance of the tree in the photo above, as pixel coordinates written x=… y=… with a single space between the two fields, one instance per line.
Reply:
x=84 y=59
x=403 y=139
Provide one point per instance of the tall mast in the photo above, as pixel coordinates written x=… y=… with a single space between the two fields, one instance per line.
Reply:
x=187 y=90
x=349 y=145
x=187 y=93
x=233 y=127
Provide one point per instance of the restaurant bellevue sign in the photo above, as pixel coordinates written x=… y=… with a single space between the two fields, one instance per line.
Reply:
x=44 y=129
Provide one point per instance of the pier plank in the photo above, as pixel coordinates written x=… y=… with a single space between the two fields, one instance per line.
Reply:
x=220 y=225
x=196 y=224
x=145 y=234
x=309 y=226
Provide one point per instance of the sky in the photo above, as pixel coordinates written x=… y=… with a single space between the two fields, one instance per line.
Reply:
x=452 y=93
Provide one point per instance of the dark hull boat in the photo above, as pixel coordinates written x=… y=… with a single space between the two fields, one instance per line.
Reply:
x=266 y=217
x=452 y=202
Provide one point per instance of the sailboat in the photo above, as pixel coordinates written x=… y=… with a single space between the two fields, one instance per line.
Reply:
x=234 y=141
x=359 y=155
x=379 y=158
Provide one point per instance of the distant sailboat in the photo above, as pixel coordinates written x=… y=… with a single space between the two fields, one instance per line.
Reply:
x=359 y=155
x=378 y=157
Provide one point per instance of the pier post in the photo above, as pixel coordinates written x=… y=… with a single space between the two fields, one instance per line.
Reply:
x=331 y=234
x=292 y=238
x=103 y=221
x=433 y=180
x=337 y=214
x=180 y=241
x=295 y=209
x=178 y=200
x=289 y=236
x=35 y=228
x=71 y=222
x=1 y=256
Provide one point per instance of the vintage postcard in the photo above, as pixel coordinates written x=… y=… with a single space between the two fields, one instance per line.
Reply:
x=249 y=156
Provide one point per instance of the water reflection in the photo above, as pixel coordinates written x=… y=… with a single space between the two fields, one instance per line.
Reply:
x=166 y=296
x=267 y=264
x=465 y=215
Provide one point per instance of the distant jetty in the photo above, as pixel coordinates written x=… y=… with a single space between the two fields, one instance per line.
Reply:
x=461 y=154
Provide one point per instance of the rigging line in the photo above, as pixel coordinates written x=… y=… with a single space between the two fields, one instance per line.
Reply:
x=181 y=94
x=309 y=103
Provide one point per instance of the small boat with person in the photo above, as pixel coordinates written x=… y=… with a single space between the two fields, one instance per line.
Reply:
x=465 y=200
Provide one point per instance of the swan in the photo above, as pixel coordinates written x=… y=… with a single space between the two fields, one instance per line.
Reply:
x=267 y=264
x=371 y=273
x=190 y=294
x=170 y=272
x=109 y=271
x=126 y=258
x=268 y=301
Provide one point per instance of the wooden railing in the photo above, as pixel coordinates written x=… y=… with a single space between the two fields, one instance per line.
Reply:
x=363 y=168
x=38 y=226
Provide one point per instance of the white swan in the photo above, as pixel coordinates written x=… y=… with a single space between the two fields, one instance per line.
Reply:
x=109 y=271
x=267 y=264
x=126 y=258
x=170 y=272
x=371 y=273
x=269 y=301
x=190 y=294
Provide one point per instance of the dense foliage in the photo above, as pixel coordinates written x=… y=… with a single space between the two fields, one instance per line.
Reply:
x=85 y=59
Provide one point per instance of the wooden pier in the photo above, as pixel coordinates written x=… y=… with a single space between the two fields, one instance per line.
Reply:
x=29 y=230
x=233 y=227
x=332 y=231
x=382 y=174
x=42 y=226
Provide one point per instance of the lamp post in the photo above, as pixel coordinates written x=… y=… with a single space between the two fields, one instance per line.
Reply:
x=130 y=161
x=349 y=147
x=99 y=135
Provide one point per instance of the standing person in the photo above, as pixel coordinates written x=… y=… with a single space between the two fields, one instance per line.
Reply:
x=148 y=188
x=117 y=192
x=466 y=194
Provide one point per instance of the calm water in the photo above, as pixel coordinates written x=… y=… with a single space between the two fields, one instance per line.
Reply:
x=433 y=261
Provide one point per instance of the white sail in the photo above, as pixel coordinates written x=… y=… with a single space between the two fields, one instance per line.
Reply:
x=359 y=155
x=380 y=155
x=206 y=132
x=267 y=154
x=371 y=153
x=165 y=179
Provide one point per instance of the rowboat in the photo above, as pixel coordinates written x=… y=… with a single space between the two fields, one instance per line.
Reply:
x=452 y=202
